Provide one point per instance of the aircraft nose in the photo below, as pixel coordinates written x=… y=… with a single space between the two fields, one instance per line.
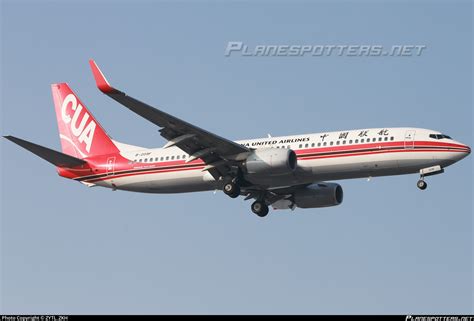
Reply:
x=466 y=150
x=463 y=151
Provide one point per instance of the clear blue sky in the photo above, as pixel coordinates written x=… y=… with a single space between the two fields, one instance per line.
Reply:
x=389 y=248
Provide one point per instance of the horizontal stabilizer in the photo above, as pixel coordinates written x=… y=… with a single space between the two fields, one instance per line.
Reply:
x=50 y=155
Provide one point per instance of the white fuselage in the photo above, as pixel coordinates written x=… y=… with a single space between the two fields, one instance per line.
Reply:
x=321 y=157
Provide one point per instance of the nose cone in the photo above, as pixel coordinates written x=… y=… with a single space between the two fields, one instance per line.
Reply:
x=465 y=150
x=459 y=151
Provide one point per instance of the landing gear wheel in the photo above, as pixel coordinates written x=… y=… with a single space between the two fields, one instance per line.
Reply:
x=231 y=189
x=421 y=184
x=260 y=208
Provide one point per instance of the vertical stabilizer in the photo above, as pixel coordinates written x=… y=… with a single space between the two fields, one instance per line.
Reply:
x=81 y=135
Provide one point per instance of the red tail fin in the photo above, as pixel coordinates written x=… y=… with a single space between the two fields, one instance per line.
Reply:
x=81 y=135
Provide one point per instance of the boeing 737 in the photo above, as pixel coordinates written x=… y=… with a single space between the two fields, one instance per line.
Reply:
x=282 y=172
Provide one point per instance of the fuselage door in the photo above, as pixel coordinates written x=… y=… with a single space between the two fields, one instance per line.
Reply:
x=410 y=139
x=110 y=168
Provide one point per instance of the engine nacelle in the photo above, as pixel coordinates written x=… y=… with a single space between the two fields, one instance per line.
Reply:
x=319 y=195
x=271 y=161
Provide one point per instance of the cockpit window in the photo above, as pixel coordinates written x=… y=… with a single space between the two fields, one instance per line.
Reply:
x=439 y=136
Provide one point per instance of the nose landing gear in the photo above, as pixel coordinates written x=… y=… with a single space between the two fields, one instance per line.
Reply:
x=421 y=184
x=433 y=170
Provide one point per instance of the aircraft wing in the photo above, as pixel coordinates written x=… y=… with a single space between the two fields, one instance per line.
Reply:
x=217 y=152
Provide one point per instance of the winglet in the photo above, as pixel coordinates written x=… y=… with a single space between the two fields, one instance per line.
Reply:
x=100 y=80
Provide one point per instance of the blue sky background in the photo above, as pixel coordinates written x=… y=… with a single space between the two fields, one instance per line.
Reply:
x=389 y=248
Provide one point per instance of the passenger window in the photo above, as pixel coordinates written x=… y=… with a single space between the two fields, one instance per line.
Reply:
x=331 y=143
x=167 y=157
x=343 y=142
x=385 y=139
x=391 y=138
x=319 y=144
x=337 y=143
x=172 y=157
x=380 y=139
x=306 y=146
x=161 y=158
x=140 y=160
x=362 y=140
x=356 y=141
x=350 y=141
x=312 y=145
x=374 y=139
x=301 y=145
x=325 y=143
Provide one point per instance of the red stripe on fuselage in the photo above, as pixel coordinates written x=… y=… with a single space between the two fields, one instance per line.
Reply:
x=302 y=157
x=156 y=171
x=311 y=156
x=402 y=144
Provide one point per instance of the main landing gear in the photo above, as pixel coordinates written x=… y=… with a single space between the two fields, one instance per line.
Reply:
x=232 y=189
x=260 y=208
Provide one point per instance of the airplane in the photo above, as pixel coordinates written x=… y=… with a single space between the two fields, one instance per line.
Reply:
x=285 y=172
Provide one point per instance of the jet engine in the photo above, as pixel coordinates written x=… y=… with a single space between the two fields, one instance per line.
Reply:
x=318 y=195
x=271 y=161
